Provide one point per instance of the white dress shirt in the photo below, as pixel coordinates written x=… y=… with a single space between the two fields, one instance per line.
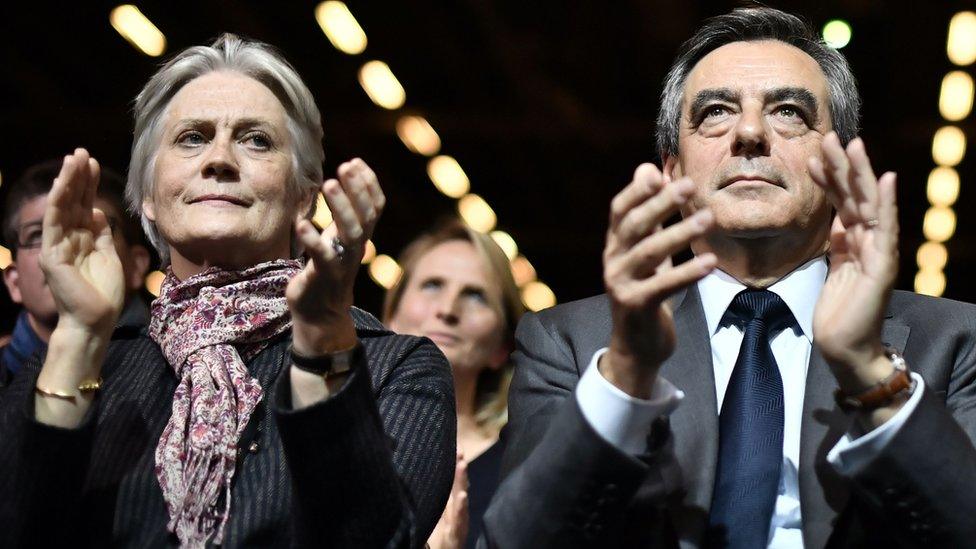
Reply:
x=623 y=420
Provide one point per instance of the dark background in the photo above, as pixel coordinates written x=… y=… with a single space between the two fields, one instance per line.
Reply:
x=548 y=105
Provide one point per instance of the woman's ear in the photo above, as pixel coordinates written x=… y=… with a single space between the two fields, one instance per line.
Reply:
x=307 y=200
x=149 y=209
x=500 y=356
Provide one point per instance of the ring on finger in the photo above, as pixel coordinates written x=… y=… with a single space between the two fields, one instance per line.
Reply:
x=339 y=248
x=871 y=223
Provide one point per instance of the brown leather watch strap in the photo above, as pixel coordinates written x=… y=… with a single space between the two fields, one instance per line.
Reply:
x=881 y=394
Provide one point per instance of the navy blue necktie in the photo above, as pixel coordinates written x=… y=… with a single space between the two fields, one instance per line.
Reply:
x=750 y=427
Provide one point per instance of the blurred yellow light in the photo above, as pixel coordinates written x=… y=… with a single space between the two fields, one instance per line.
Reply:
x=340 y=27
x=537 y=296
x=153 y=282
x=476 y=213
x=932 y=256
x=385 y=271
x=448 y=176
x=135 y=27
x=381 y=86
x=948 y=146
x=418 y=135
x=939 y=224
x=956 y=96
x=370 y=253
x=522 y=271
x=930 y=282
x=837 y=33
x=506 y=243
x=323 y=216
x=961 y=45
x=5 y=258
x=943 y=186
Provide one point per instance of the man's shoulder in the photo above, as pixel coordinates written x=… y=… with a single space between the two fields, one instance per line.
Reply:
x=910 y=308
x=583 y=315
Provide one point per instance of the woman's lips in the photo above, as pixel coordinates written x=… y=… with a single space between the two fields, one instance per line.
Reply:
x=219 y=200
x=443 y=338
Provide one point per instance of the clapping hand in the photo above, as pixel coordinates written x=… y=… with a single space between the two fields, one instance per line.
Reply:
x=78 y=254
x=451 y=530
x=639 y=275
x=320 y=296
x=83 y=271
x=863 y=264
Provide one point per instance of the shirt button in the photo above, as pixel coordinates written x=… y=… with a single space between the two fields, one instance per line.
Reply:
x=254 y=447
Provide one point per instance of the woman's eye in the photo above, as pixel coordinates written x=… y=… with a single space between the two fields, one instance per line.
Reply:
x=430 y=285
x=477 y=296
x=191 y=139
x=258 y=141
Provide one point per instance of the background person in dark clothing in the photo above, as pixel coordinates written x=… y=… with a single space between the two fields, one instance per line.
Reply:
x=23 y=211
x=457 y=289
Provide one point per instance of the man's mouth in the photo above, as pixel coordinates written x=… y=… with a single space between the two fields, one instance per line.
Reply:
x=750 y=179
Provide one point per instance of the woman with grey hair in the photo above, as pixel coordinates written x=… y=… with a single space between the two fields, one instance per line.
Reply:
x=260 y=407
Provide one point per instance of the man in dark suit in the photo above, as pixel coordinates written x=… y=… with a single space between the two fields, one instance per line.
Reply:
x=755 y=395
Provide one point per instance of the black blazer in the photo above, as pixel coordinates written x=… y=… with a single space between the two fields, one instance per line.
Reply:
x=567 y=487
x=369 y=467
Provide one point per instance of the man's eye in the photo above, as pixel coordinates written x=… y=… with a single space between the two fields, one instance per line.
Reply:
x=791 y=113
x=714 y=111
x=32 y=239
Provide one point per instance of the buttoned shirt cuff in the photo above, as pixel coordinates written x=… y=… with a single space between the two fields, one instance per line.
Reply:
x=850 y=455
x=620 y=419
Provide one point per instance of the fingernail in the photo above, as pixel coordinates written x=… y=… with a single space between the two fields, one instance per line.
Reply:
x=703 y=219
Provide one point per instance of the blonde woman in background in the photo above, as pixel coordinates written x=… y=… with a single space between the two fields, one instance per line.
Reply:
x=457 y=289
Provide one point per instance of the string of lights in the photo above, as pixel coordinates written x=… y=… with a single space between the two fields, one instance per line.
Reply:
x=419 y=137
x=948 y=150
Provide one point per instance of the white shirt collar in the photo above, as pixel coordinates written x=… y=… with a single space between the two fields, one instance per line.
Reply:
x=799 y=289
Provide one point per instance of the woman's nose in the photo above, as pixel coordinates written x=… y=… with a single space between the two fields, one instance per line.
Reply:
x=221 y=163
x=448 y=308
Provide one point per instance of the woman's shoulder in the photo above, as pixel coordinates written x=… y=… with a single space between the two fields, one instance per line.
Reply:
x=375 y=336
x=388 y=352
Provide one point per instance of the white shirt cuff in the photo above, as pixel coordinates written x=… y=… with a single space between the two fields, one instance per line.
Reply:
x=620 y=419
x=850 y=455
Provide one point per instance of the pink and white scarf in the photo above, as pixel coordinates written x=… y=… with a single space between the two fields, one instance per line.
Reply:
x=208 y=326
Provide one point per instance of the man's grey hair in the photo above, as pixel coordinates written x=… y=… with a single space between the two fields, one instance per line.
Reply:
x=752 y=24
x=257 y=60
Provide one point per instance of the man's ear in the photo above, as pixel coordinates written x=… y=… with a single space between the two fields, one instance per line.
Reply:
x=670 y=168
x=11 y=279
x=139 y=256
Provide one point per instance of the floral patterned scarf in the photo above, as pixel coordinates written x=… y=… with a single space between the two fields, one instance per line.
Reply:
x=208 y=326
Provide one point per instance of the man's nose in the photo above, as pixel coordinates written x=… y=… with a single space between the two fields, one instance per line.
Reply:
x=221 y=162
x=751 y=134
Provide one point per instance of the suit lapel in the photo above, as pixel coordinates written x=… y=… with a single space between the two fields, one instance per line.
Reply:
x=695 y=423
x=823 y=492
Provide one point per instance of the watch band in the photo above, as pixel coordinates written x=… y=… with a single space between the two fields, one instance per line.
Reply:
x=884 y=392
x=329 y=364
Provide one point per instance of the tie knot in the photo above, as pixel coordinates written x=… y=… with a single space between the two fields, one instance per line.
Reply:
x=761 y=305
